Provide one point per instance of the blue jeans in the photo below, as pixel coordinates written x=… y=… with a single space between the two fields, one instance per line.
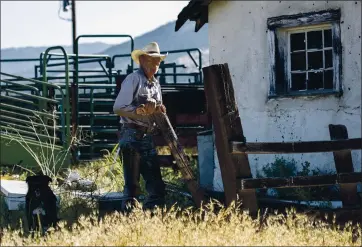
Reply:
x=140 y=157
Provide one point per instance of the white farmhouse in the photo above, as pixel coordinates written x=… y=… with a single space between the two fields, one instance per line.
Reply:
x=295 y=66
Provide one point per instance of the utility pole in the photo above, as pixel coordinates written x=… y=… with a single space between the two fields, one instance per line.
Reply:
x=74 y=86
x=74 y=26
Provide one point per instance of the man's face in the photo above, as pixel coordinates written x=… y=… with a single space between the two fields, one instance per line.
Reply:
x=149 y=64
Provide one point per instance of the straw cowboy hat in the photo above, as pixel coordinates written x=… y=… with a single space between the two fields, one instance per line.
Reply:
x=151 y=50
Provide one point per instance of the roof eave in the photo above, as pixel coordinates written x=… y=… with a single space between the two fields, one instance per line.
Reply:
x=196 y=10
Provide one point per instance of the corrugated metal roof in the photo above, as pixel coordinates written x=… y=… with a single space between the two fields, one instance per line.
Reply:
x=196 y=10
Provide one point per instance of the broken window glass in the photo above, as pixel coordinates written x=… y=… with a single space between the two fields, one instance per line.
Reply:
x=298 y=61
x=315 y=60
x=314 y=40
x=328 y=62
x=297 y=41
x=328 y=79
x=298 y=81
x=328 y=38
x=311 y=53
x=315 y=80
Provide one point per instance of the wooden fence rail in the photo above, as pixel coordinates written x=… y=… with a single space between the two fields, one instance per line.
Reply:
x=295 y=147
x=301 y=181
x=232 y=149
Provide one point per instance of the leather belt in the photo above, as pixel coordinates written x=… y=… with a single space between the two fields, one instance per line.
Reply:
x=136 y=127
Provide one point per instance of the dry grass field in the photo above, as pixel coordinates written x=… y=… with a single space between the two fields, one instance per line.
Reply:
x=174 y=227
x=178 y=224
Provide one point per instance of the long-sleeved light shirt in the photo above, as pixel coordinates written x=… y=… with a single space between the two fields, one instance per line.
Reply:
x=135 y=90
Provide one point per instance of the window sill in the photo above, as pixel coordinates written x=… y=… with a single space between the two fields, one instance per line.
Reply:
x=317 y=93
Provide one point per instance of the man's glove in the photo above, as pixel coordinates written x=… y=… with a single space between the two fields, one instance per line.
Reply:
x=148 y=108
x=141 y=110
x=160 y=109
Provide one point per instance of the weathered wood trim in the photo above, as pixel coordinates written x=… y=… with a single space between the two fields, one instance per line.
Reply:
x=342 y=159
x=203 y=18
x=311 y=93
x=301 y=181
x=279 y=72
x=344 y=164
x=272 y=60
x=227 y=126
x=194 y=11
x=310 y=18
x=337 y=60
x=295 y=147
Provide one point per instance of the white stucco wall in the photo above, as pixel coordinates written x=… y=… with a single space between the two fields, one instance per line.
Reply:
x=237 y=36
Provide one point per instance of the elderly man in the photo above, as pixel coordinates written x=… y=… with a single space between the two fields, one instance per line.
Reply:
x=139 y=97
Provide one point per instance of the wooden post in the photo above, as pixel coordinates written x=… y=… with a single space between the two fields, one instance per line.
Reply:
x=343 y=163
x=221 y=102
x=180 y=157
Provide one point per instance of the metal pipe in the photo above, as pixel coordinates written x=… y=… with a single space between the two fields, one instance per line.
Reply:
x=66 y=103
x=71 y=63
x=199 y=65
x=85 y=71
x=21 y=85
x=17 y=108
x=70 y=55
x=16 y=60
x=74 y=32
x=76 y=51
x=31 y=96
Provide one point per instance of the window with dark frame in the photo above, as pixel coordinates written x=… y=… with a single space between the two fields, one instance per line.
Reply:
x=311 y=60
x=305 y=51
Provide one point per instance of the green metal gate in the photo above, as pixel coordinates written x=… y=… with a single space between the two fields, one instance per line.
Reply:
x=88 y=94
x=34 y=125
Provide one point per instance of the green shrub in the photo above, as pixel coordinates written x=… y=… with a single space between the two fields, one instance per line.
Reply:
x=282 y=167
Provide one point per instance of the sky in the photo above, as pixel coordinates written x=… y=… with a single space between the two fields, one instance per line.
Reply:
x=36 y=23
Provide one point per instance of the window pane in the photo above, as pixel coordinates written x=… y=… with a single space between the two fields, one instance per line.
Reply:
x=297 y=41
x=315 y=80
x=328 y=62
x=314 y=40
x=328 y=79
x=328 y=38
x=298 y=81
x=298 y=61
x=315 y=60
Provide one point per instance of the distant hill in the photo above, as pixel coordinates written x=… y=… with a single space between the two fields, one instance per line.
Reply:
x=27 y=68
x=34 y=52
x=165 y=35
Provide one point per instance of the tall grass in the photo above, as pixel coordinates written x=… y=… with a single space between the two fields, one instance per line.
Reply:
x=169 y=226
x=175 y=227
x=48 y=160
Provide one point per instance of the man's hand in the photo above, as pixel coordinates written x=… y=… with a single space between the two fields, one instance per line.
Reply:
x=150 y=106
x=141 y=110
x=160 y=109
x=146 y=109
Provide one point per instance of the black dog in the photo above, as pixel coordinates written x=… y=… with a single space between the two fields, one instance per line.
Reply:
x=40 y=203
